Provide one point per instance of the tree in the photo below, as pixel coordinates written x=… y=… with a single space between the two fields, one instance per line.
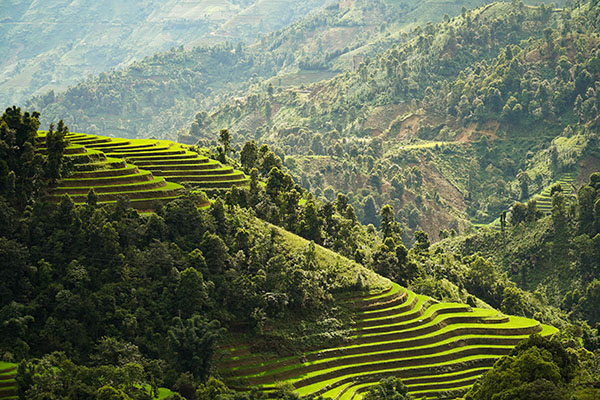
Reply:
x=370 y=212
x=194 y=342
x=559 y=224
x=513 y=301
x=518 y=214
x=537 y=369
x=389 y=226
x=225 y=140
x=277 y=181
x=524 y=181
x=390 y=388
x=56 y=144
x=503 y=221
x=421 y=242
x=110 y=393
x=225 y=148
x=269 y=161
x=216 y=252
x=483 y=281
x=310 y=226
x=249 y=156
x=92 y=198
x=532 y=212
x=190 y=295
x=585 y=205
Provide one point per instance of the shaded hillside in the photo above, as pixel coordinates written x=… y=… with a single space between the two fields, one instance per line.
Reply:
x=54 y=44
x=557 y=256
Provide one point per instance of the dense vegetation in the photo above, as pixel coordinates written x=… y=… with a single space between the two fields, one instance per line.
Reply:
x=555 y=256
x=101 y=286
x=404 y=130
x=488 y=119
x=161 y=94
x=149 y=296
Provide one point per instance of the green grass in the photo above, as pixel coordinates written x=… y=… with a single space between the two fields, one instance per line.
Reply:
x=6 y=365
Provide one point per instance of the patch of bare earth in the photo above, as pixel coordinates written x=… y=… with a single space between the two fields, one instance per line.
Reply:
x=380 y=118
x=443 y=187
x=490 y=130
x=409 y=127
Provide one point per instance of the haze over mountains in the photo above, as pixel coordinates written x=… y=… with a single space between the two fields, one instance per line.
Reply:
x=56 y=43
x=313 y=48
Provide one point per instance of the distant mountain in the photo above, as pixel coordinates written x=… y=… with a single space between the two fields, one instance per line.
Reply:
x=170 y=88
x=56 y=43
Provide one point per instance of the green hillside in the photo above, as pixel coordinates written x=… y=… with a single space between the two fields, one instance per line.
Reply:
x=172 y=298
x=449 y=131
x=384 y=200
x=110 y=167
x=438 y=349
x=125 y=102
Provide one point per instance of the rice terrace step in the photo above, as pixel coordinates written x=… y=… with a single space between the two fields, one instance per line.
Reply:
x=438 y=349
x=142 y=170
x=8 y=385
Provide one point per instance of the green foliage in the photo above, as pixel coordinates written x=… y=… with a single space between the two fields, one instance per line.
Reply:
x=536 y=369
x=56 y=376
x=390 y=388
x=56 y=144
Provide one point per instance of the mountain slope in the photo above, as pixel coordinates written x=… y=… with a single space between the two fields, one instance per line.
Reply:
x=452 y=125
x=311 y=49
x=54 y=44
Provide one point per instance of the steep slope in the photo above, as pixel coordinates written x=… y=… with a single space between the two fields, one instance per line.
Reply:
x=110 y=167
x=438 y=349
x=54 y=44
x=8 y=373
x=453 y=125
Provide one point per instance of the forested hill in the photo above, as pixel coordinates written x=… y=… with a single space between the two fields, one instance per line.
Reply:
x=56 y=43
x=100 y=301
x=127 y=102
x=450 y=126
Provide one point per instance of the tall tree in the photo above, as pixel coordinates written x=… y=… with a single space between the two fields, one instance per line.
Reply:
x=194 y=342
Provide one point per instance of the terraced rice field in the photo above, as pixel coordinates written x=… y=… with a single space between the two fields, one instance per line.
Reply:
x=544 y=200
x=144 y=171
x=437 y=349
x=169 y=160
x=8 y=386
